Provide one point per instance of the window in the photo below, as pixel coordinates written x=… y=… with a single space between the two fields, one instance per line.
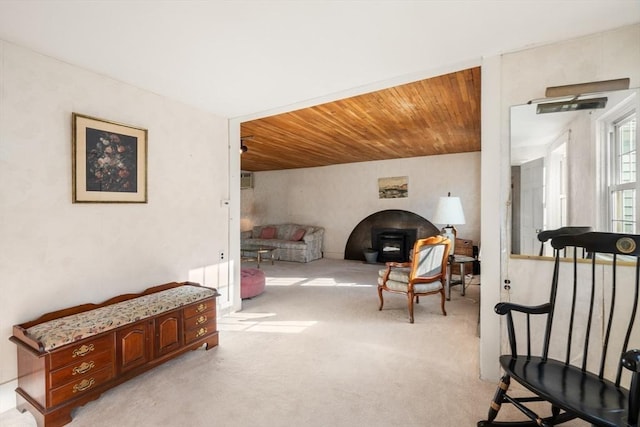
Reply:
x=623 y=184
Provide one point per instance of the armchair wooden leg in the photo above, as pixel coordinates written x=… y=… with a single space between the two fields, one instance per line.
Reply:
x=442 y=299
x=380 y=297
x=410 y=303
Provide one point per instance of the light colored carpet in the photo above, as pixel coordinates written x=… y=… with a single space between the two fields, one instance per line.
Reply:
x=314 y=350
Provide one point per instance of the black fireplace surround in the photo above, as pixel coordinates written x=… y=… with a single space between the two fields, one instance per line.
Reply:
x=391 y=232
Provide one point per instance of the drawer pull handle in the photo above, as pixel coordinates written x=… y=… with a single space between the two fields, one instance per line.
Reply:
x=84 y=367
x=201 y=308
x=201 y=332
x=201 y=320
x=83 y=350
x=84 y=384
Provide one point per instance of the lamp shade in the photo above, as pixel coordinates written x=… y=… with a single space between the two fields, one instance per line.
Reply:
x=449 y=211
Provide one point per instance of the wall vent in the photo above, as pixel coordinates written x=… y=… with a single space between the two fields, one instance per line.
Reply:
x=246 y=180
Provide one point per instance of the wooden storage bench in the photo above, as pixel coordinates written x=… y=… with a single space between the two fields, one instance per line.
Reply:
x=69 y=357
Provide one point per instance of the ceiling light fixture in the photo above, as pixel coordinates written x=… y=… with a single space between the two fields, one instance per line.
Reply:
x=574 y=104
x=244 y=148
x=591 y=87
x=577 y=93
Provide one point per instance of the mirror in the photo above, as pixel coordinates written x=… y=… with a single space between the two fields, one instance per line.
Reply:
x=562 y=154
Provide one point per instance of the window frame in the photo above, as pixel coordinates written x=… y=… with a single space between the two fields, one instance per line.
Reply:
x=611 y=124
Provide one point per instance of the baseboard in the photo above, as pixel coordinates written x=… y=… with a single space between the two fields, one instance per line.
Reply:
x=333 y=255
x=8 y=395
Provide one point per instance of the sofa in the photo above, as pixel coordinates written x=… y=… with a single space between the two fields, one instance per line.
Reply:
x=294 y=242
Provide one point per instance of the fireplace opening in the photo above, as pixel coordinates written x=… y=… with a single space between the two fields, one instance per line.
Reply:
x=392 y=220
x=392 y=244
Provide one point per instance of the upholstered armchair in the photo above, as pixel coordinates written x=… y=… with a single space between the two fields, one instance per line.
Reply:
x=425 y=275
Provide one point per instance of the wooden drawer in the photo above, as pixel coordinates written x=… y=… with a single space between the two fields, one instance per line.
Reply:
x=200 y=331
x=199 y=319
x=80 y=386
x=90 y=364
x=80 y=351
x=199 y=307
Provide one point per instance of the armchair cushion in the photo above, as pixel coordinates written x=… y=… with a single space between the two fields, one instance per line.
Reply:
x=399 y=281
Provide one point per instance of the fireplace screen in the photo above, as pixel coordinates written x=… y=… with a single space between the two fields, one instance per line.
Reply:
x=393 y=244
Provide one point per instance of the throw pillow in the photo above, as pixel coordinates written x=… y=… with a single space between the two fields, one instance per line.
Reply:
x=268 y=233
x=298 y=235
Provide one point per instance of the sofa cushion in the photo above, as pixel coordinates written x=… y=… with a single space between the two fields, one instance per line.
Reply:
x=286 y=231
x=268 y=233
x=298 y=235
x=290 y=244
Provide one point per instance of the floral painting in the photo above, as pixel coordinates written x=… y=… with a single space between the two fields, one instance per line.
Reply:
x=109 y=161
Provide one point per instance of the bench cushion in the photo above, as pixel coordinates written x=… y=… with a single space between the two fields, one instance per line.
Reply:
x=58 y=332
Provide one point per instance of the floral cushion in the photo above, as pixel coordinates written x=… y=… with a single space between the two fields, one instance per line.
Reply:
x=58 y=332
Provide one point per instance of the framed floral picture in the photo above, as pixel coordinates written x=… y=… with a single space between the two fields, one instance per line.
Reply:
x=109 y=162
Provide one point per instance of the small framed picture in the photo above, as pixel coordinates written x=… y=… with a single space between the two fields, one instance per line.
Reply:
x=109 y=162
x=393 y=187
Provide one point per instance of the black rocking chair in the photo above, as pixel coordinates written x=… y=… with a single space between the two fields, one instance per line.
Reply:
x=587 y=337
x=545 y=235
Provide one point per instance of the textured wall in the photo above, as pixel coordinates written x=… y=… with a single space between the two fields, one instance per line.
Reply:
x=339 y=197
x=54 y=253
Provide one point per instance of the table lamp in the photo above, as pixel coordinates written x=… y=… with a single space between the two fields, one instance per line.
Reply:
x=449 y=212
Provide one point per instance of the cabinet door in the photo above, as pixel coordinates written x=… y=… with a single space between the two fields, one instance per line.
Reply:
x=168 y=330
x=132 y=344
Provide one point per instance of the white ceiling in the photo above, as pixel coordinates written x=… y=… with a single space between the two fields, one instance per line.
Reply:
x=241 y=58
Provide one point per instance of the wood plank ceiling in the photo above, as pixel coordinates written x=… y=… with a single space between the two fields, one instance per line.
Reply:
x=440 y=115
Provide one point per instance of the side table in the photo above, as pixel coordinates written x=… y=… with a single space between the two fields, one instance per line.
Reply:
x=461 y=260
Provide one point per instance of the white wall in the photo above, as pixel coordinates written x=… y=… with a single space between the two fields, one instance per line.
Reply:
x=524 y=76
x=339 y=197
x=495 y=183
x=55 y=254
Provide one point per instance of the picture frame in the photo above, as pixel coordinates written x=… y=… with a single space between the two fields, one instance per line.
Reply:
x=395 y=187
x=109 y=162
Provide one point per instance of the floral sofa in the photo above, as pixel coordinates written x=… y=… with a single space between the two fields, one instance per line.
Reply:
x=300 y=243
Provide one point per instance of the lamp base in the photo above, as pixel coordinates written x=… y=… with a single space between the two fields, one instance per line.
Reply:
x=450 y=232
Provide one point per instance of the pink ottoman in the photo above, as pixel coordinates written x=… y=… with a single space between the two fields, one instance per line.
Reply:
x=252 y=282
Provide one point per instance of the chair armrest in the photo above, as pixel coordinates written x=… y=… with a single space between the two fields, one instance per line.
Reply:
x=316 y=235
x=246 y=234
x=507 y=308
x=631 y=360
x=397 y=264
x=503 y=308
